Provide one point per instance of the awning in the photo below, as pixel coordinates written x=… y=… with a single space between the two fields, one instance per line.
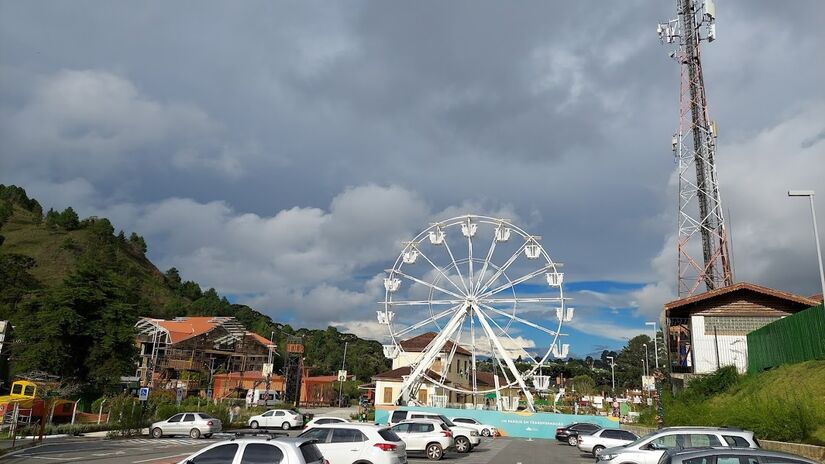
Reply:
x=490 y=396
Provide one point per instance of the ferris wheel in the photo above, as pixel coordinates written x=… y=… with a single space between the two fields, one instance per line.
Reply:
x=477 y=282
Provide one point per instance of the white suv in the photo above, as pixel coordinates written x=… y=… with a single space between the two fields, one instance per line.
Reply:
x=465 y=438
x=282 y=418
x=604 y=438
x=425 y=435
x=648 y=449
x=486 y=430
x=349 y=443
x=237 y=450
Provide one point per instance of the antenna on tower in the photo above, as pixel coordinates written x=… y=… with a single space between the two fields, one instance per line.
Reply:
x=701 y=222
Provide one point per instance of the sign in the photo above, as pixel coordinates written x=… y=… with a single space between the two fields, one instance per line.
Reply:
x=143 y=394
x=209 y=394
x=179 y=395
x=648 y=383
x=342 y=375
x=267 y=370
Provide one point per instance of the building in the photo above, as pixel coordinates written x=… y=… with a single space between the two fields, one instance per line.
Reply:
x=319 y=390
x=187 y=351
x=388 y=384
x=709 y=330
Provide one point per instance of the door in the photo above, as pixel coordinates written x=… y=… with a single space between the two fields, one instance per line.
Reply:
x=652 y=451
x=187 y=423
x=420 y=433
x=387 y=395
x=277 y=419
x=403 y=432
x=422 y=396
x=172 y=425
x=345 y=446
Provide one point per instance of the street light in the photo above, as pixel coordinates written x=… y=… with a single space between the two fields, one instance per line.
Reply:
x=646 y=358
x=612 y=374
x=810 y=195
x=655 y=343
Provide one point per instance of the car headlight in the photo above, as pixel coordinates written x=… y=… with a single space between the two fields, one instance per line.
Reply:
x=473 y=433
x=607 y=457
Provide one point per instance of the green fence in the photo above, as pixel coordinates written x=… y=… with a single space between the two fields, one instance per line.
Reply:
x=793 y=339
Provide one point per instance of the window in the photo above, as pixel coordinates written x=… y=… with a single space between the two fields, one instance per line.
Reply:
x=776 y=460
x=387 y=395
x=16 y=389
x=735 y=325
x=29 y=391
x=311 y=453
x=319 y=434
x=702 y=460
x=736 y=442
x=664 y=442
x=625 y=435
x=401 y=428
x=612 y=434
x=421 y=428
x=217 y=455
x=727 y=460
x=701 y=440
x=205 y=416
x=268 y=414
x=398 y=416
x=324 y=421
x=189 y=418
x=389 y=435
x=279 y=413
x=347 y=436
x=175 y=418
x=422 y=396
x=259 y=453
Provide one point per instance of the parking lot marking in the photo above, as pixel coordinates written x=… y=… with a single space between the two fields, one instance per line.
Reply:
x=158 y=459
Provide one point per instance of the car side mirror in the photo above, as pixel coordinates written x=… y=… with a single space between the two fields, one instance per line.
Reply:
x=651 y=446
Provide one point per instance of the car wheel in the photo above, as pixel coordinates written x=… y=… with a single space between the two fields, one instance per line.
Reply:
x=462 y=445
x=254 y=424
x=434 y=452
x=194 y=434
x=157 y=432
x=597 y=449
x=285 y=426
x=572 y=440
x=485 y=433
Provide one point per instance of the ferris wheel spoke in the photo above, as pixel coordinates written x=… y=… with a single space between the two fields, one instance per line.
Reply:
x=515 y=282
x=518 y=319
x=513 y=341
x=455 y=265
x=426 y=321
x=445 y=368
x=503 y=268
x=538 y=299
x=427 y=284
x=440 y=270
x=470 y=261
x=473 y=353
x=423 y=302
x=486 y=263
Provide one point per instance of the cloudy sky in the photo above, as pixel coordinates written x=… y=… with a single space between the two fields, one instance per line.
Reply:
x=281 y=151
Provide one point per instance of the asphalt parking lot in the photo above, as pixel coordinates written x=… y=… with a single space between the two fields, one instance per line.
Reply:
x=172 y=450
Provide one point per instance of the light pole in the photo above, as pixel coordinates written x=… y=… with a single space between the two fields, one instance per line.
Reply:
x=655 y=343
x=810 y=195
x=647 y=356
x=612 y=374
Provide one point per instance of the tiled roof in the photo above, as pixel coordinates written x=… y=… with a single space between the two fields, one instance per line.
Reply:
x=258 y=338
x=419 y=343
x=187 y=327
x=742 y=286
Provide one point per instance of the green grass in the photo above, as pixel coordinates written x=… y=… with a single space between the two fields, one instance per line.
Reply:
x=784 y=404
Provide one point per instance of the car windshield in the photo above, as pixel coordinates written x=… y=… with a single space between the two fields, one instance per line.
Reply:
x=446 y=421
x=292 y=411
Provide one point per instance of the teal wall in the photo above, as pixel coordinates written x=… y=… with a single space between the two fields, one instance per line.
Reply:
x=520 y=424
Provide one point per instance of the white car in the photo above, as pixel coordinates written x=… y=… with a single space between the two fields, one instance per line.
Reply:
x=604 y=438
x=281 y=418
x=429 y=436
x=485 y=430
x=349 y=443
x=194 y=424
x=465 y=438
x=322 y=420
x=257 y=450
x=648 y=449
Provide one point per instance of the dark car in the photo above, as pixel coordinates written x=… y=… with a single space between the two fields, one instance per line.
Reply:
x=570 y=433
x=730 y=455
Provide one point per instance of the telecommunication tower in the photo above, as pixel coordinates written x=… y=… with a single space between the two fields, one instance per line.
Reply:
x=694 y=146
x=293 y=369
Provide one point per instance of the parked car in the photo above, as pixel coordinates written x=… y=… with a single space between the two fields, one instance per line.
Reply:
x=648 y=449
x=465 y=438
x=485 y=430
x=322 y=420
x=569 y=433
x=347 y=443
x=259 y=450
x=604 y=438
x=729 y=455
x=194 y=424
x=431 y=437
x=282 y=418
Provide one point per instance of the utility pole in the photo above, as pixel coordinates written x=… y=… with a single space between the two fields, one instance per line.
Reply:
x=343 y=367
x=269 y=362
x=655 y=343
x=694 y=146
x=612 y=374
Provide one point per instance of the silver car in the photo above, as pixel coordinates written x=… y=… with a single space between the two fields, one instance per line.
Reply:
x=257 y=450
x=727 y=455
x=194 y=424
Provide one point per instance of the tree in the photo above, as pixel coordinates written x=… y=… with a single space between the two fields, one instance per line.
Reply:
x=173 y=278
x=583 y=384
x=68 y=219
x=15 y=281
x=629 y=362
x=138 y=243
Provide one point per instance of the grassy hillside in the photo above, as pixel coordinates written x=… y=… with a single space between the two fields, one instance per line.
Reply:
x=786 y=403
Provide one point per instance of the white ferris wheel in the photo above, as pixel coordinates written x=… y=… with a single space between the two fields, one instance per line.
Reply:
x=478 y=282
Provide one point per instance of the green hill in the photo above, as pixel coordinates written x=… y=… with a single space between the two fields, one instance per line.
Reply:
x=74 y=289
x=786 y=403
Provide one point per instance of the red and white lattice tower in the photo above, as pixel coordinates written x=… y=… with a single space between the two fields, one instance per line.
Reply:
x=701 y=222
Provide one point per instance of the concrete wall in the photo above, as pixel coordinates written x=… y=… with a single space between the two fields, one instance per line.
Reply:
x=733 y=349
x=816 y=453
x=520 y=424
